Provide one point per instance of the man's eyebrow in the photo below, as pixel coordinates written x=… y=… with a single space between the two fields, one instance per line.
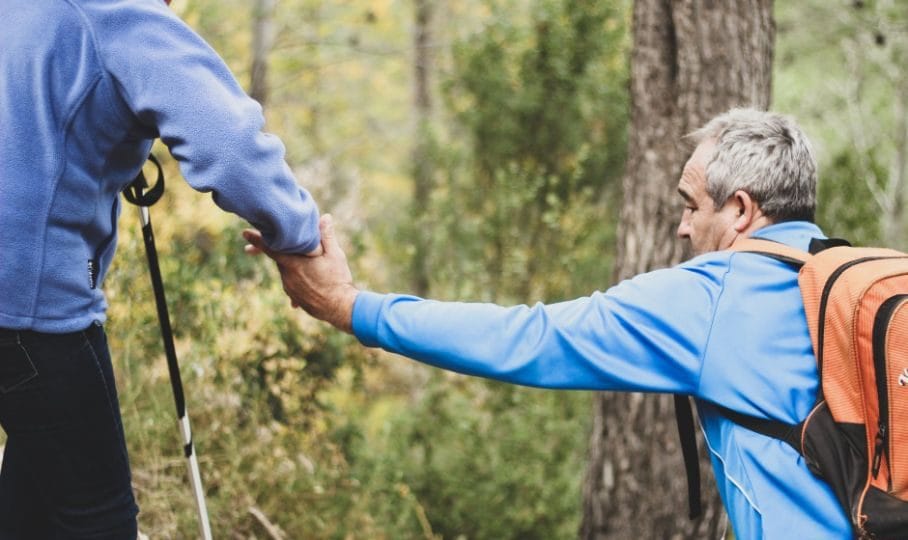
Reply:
x=684 y=194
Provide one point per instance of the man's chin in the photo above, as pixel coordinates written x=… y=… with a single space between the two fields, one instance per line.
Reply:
x=696 y=251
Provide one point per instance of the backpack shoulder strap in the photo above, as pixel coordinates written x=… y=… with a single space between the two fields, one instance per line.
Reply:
x=684 y=417
x=789 y=433
x=770 y=248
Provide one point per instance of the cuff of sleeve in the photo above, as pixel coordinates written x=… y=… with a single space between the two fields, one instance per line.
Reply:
x=366 y=310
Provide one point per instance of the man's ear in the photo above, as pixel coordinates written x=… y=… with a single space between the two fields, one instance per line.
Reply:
x=746 y=210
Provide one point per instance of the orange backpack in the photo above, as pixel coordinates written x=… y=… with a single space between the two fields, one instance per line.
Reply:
x=856 y=435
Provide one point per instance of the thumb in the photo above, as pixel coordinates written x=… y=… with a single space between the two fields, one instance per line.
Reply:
x=329 y=239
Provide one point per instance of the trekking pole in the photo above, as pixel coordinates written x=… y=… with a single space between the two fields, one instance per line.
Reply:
x=136 y=194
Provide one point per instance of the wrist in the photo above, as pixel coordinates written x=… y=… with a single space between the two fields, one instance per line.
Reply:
x=343 y=319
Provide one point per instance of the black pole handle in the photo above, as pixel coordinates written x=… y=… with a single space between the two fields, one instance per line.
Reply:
x=136 y=192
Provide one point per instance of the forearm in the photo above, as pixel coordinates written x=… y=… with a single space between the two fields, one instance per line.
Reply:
x=567 y=345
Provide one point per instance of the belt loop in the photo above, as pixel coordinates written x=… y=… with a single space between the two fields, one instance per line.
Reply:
x=94 y=330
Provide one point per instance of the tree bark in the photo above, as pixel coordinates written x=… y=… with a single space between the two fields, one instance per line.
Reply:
x=262 y=42
x=897 y=187
x=691 y=60
x=422 y=149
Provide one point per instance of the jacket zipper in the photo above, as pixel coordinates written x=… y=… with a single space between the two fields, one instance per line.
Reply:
x=880 y=325
x=94 y=265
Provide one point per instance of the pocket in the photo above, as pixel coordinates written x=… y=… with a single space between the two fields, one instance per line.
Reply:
x=16 y=367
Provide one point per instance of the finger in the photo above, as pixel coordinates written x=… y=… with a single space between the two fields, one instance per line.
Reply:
x=254 y=238
x=251 y=250
x=256 y=241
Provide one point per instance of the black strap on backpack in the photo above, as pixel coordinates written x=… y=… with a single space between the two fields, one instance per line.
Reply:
x=819 y=244
x=789 y=433
x=684 y=416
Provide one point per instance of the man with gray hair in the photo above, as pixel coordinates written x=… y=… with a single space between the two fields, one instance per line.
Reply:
x=727 y=327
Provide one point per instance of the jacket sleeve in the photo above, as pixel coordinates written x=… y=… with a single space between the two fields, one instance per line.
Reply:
x=178 y=86
x=646 y=334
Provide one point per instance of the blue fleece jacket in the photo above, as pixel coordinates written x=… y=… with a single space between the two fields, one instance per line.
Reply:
x=85 y=86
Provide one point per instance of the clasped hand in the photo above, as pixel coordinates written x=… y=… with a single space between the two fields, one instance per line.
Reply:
x=319 y=282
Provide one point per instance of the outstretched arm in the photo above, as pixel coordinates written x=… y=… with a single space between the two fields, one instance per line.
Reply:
x=633 y=337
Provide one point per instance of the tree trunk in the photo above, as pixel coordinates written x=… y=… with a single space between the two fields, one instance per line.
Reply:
x=422 y=149
x=691 y=60
x=897 y=188
x=262 y=42
x=313 y=15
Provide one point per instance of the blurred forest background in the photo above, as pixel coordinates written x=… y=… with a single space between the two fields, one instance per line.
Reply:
x=469 y=149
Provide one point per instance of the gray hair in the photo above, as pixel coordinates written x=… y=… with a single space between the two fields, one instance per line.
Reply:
x=765 y=154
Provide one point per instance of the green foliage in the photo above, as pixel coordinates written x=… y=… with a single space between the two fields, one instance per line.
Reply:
x=845 y=204
x=482 y=460
x=840 y=72
x=544 y=105
x=537 y=94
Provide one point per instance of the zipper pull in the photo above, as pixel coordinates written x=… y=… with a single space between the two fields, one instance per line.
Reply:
x=878 y=449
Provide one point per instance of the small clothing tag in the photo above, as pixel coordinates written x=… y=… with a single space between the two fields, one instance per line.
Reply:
x=92 y=273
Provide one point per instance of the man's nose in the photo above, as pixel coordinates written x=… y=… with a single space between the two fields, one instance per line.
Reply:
x=683 y=231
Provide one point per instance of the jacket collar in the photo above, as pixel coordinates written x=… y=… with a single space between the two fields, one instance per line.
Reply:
x=796 y=234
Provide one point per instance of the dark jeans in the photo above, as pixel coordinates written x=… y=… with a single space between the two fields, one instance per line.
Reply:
x=65 y=471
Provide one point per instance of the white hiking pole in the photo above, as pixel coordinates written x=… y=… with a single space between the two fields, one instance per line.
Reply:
x=136 y=194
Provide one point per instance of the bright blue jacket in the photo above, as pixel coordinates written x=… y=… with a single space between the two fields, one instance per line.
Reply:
x=85 y=86
x=726 y=328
